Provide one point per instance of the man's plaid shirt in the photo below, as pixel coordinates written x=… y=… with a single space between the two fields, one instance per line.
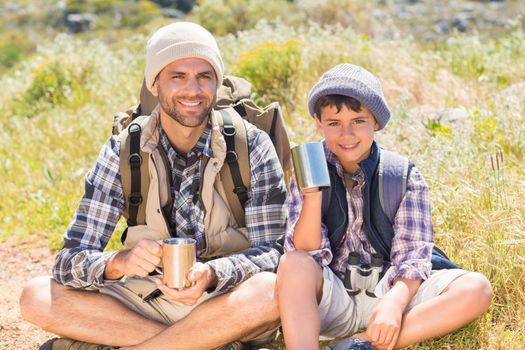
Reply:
x=81 y=262
x=413 y=232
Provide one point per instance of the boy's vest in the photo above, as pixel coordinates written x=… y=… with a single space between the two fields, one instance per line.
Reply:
x=222 y=233
x=386 y=174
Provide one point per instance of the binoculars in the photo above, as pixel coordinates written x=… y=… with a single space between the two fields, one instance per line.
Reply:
x=358 y=279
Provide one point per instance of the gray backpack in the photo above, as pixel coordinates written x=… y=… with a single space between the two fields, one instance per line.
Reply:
x=392 y=177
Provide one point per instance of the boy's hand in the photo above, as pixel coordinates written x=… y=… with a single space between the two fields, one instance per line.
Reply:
x=201 y=276
x=385 y=324
x=311 y=192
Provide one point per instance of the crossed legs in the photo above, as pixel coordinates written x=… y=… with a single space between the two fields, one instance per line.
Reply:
x=250 y=309
x=464 y=299
x=299 y=289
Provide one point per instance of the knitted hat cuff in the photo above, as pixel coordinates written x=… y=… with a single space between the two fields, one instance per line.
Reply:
x=356 y=82
x=179 y=51
x=177 y=41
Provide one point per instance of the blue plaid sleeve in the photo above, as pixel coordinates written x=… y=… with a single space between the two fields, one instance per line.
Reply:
x=413 y=233
x=81 y=262
x=322 y=256
x=265 y=215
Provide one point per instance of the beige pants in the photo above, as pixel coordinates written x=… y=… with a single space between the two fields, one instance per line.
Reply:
x=343 y=315
x=161 y=309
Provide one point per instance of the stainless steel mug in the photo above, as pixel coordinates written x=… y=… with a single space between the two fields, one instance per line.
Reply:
x=309 y=163
x=178 y=257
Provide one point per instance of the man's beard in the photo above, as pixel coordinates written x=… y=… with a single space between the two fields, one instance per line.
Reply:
x=169 y=107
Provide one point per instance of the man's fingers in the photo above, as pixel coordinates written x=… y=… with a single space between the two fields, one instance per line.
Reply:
x=137 y=270
x=146 y=250
x=187 y=296
x=140 y=257
x=152 y=260
x=146 y=266
x=197 y=272
x=152 y=247
x=195 y=275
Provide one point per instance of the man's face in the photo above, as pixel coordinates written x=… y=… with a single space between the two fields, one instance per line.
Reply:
x=348 y=134
x=186 y=89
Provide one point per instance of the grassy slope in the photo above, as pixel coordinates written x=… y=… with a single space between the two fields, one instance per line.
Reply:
x=58 y=104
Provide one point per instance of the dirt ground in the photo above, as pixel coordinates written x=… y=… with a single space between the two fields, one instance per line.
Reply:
x=16 y=267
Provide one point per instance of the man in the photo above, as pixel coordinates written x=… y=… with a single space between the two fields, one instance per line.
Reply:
x=232 y=296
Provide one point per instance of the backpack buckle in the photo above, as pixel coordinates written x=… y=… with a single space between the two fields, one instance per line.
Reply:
x=135 y=199
x=240 y=190
x=134 y=128
x=231 y=156
x=228 y=130
x=135 y=160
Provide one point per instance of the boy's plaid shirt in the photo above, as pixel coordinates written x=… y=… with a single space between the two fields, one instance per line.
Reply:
x=413 y=233
x=81 y=262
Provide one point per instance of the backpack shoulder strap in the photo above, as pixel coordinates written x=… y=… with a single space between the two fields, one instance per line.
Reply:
x=393 y=175
x=327 y=197
x=236 y=176
x=133 y=164
x=334 y=209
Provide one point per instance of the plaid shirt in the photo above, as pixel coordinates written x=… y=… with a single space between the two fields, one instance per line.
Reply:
x=81 y=262
x=413 y=233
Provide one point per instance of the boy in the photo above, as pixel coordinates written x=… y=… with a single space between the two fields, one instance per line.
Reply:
x=420 y=293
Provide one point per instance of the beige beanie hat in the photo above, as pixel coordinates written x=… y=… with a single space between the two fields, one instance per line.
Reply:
x=181 y=40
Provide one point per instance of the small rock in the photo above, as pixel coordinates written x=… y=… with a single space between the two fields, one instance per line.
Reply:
x=460 y=24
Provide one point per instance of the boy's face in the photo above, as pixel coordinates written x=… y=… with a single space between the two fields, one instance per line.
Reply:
x=348 y=134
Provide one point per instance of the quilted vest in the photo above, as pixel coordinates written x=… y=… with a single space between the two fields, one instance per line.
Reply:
x=378 y=226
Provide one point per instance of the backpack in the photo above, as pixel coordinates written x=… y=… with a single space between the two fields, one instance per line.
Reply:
x=392 y=176
x=233 y=104
x=392 y=172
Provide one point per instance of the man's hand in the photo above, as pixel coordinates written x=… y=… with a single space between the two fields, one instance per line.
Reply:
x=201 y=276
x=140 y=260
x=385 y=324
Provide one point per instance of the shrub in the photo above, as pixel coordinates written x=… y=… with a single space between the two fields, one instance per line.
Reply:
x=13 y=48
x=116 y=13
x=273 y=68
x=236 y=15
x=10 y=53
x=346 y=13
x=51 y=84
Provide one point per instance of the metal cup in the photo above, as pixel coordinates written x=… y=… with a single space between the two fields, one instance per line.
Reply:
x=310 y=167
x=178 y=257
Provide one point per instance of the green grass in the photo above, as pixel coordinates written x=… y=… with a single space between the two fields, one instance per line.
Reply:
x=58 y=105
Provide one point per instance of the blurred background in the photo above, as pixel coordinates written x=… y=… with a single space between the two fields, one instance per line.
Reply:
x=453 y=73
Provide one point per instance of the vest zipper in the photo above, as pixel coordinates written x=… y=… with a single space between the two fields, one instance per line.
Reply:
x=170 y=200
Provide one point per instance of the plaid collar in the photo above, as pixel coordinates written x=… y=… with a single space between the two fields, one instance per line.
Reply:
x=331 y=158
x=202 y=147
